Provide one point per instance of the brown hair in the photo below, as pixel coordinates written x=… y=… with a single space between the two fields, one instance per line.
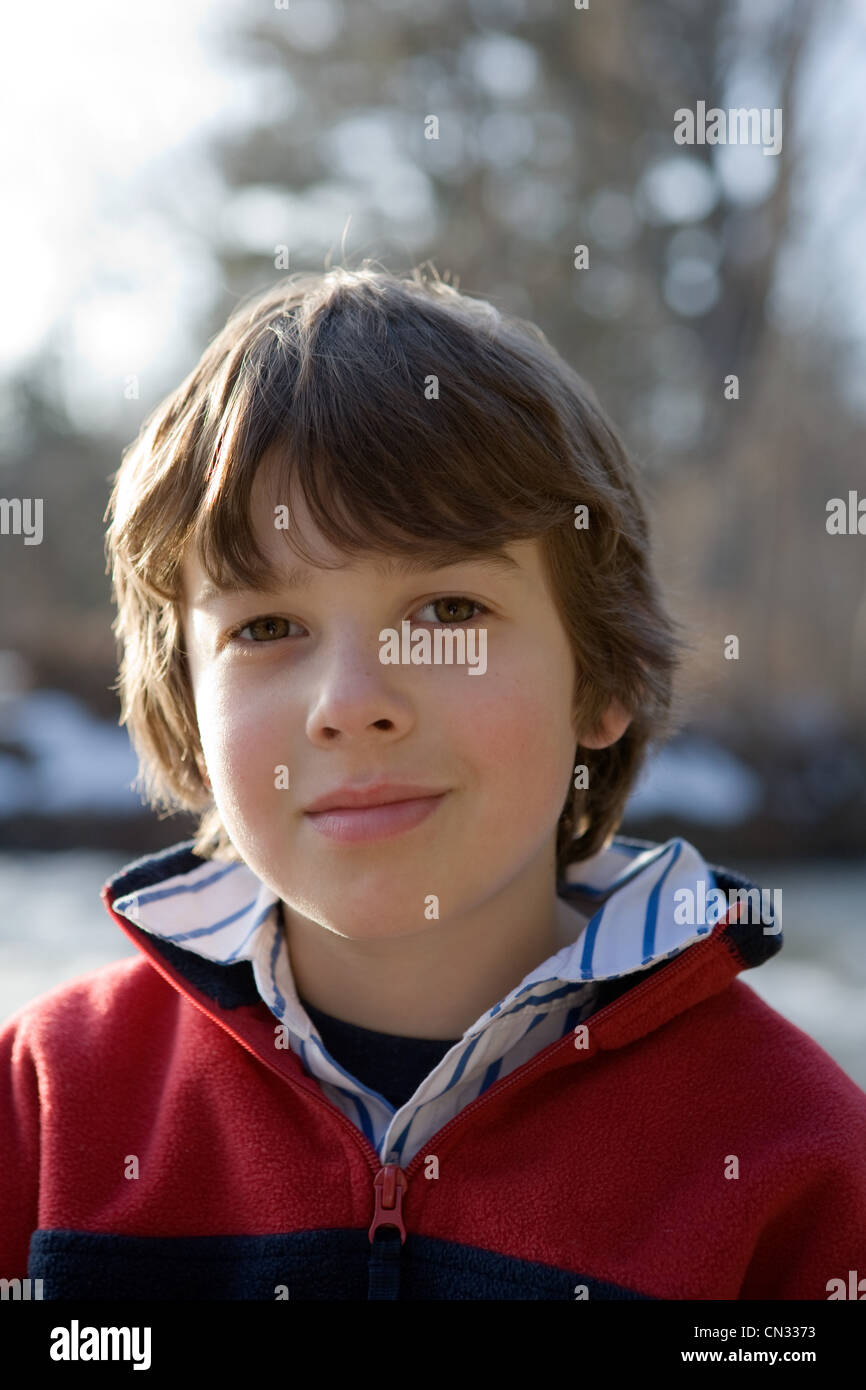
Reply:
x=415 y=419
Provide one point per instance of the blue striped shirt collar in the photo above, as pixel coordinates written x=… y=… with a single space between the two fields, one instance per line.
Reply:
x=223 y=912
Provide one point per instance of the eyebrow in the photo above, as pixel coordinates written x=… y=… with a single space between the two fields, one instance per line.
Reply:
x=299 y=577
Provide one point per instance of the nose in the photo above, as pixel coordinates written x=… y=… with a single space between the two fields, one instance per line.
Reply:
x=357 y=696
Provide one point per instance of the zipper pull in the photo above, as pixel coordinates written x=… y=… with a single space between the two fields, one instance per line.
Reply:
x=389 y=1185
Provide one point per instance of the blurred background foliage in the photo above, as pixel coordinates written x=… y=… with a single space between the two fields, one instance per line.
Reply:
x=304 y=128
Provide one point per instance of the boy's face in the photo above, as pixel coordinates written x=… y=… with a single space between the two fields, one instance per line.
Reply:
x=304 y=689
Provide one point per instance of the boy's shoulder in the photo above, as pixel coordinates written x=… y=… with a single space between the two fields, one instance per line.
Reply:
x=93 y=1006
x=736 y=1058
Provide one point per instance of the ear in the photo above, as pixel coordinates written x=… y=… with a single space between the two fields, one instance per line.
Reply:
x=611 y=727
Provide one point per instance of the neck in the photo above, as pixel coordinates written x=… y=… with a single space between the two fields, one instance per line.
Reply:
x=436 y=982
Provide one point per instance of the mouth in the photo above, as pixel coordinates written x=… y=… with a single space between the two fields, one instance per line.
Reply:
x=362 y=824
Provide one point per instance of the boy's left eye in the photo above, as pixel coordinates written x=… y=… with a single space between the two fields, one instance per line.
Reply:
x=455 y=601
x=450 y=602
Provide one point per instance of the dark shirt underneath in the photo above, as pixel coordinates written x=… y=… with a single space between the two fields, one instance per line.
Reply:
x=383 y=1062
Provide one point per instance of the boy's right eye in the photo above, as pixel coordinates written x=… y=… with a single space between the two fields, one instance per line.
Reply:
x=261 y=626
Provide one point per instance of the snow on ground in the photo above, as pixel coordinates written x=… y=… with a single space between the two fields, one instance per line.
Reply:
x=71 y=761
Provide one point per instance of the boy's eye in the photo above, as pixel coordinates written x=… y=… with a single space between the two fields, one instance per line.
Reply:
x=452 y=609
x=264 y=625
x=451 y=603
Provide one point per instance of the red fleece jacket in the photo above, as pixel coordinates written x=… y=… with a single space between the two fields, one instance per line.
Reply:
x=693 y=1144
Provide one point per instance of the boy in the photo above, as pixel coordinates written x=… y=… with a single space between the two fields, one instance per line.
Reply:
x=410 y=1020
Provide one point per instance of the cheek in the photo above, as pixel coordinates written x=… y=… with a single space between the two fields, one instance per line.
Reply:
x=237 y=735
x=518 y=737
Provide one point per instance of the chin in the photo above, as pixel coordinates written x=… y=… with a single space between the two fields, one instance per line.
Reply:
x=365 y=921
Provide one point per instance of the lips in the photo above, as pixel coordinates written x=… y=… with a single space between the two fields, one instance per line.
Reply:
x=379 y=794
x=381 y=820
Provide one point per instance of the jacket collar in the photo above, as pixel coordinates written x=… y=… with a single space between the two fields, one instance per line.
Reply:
x=200 y=911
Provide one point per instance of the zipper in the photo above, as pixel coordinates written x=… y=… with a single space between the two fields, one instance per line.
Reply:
x=389 y=1185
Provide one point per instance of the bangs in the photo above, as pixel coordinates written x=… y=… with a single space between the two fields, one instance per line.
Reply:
x=357 y=514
